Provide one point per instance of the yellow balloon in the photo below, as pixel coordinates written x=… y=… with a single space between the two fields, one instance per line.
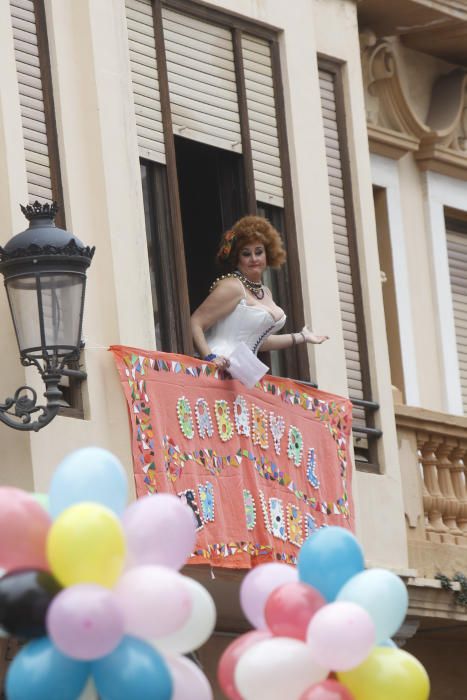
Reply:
x=86 y=544
x=388 y=674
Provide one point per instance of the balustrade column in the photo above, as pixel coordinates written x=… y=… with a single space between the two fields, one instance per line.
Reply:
x=451 y=506
x=426 y=498
x=433 y=501
x=458 y=470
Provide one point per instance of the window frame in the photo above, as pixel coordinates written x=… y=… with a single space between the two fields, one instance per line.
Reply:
x=297 y=364
x=444 y=194
x=385 y=174
x=369 y=405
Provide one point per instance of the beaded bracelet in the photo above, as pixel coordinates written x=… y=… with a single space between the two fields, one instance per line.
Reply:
x=210 y=357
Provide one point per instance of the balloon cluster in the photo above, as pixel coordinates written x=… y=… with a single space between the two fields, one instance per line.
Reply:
x=322 y=632
x=95 y=587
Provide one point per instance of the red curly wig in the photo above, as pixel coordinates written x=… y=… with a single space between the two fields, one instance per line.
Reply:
x=251 y=229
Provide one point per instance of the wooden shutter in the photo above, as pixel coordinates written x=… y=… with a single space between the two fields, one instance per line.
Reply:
x=202 y=83
x=257 y=66
x=31 y=96
x=345 y=275
x=457 y=257
x=144 y=76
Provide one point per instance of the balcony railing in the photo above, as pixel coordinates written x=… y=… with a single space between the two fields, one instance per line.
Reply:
x=432 y=453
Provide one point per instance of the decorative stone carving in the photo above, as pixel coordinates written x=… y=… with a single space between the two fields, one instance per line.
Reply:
x=440 y=142
x=393 y=128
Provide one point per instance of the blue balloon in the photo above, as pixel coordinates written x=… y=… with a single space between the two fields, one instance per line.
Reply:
x=384 y=597
x=41 y=672
x=89 y=474
x=329 y=558
x=134 y=670
x=388 y=643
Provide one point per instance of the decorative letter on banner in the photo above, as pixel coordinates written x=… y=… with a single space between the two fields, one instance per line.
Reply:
x=261 y=468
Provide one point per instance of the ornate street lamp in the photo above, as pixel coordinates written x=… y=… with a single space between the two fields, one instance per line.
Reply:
x=45 y=278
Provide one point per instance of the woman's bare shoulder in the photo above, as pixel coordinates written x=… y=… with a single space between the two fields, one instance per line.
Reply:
x=227 y=286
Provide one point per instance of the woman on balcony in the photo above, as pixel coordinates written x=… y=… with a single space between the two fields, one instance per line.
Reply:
x=239 y=307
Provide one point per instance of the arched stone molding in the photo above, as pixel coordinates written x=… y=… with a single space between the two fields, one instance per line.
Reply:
x=393 y=127
x=440 y=142
x=445 y=149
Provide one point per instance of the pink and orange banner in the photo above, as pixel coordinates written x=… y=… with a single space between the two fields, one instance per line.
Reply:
x=261 y=468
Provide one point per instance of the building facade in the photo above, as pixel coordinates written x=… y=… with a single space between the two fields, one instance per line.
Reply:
x=158 y=123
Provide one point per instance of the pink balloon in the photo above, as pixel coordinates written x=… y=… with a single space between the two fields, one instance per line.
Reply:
x=155 y=601
x=290 y=608
x=189 y=682
x=24 y=525
x=230 y=657
x=327 y=690
x=160 y=530
x=341 y=636
x=258 y=584
x=85 y=621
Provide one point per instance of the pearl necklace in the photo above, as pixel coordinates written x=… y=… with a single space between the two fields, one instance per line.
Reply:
x=256 y=288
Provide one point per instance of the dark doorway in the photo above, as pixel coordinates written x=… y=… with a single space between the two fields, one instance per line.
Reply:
x=212 y=198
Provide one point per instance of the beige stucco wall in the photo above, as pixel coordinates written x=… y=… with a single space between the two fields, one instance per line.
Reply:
x=378 y=497
x=103 y=206
x=419 y=264
x=15 y=464
x=418 y=74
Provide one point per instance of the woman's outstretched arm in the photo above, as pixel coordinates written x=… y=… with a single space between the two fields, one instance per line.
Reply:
x=287 y=340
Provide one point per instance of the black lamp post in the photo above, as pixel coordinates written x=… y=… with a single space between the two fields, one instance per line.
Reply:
x=45 y=278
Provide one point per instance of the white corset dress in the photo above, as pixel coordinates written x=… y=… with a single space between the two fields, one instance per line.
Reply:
x=250 y=324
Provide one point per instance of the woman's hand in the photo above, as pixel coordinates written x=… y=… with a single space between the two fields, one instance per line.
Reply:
x=311 y=337
x=221 y=362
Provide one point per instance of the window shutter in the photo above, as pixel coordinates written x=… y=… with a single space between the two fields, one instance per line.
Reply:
x=202 y=83
x=341 y=243
x=144 y=76
x=457 y=257
x=257 y=66
x=31 y=96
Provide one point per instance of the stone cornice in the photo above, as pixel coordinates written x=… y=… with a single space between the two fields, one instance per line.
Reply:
x=440 y=141
x=390 y=143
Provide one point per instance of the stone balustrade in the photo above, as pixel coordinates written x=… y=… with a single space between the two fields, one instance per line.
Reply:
x=433 y=459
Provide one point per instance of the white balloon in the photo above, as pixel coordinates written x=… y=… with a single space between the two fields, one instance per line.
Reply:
x=199 y=626
x=189 y=682
x=277 y=668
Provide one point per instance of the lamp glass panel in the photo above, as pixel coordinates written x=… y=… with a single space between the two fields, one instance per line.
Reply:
x=62 y=296
x=22 y=293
